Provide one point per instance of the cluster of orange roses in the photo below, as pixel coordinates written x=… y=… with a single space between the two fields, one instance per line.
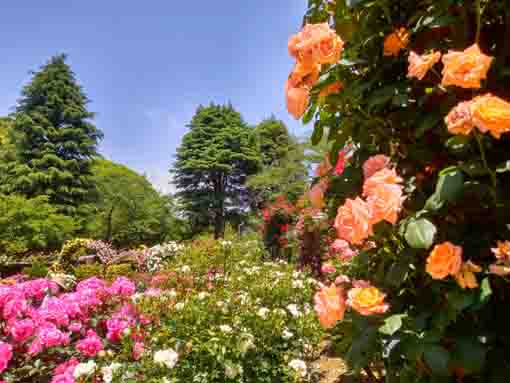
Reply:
x=314 y=46
x=446 y=259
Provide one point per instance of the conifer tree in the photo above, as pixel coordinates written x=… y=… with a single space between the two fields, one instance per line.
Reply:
x=213 y=161
x=56 y=140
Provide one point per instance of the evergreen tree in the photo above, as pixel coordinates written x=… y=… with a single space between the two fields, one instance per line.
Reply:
x=56 y=140
x=213 y=161
x=283 y=168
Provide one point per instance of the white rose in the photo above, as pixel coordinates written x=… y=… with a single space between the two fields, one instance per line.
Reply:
x=226 y=328
x=293 y=309
x=84 y=369
x=263 y=311
x=108 y=371
x=167 y=357
x=286 y=334
x=299 y=366
x=231 y=370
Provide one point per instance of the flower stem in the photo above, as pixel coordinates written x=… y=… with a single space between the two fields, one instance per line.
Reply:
x=484 y=159
x=478 y=21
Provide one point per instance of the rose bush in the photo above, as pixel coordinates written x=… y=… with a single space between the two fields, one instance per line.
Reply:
x=421 y=208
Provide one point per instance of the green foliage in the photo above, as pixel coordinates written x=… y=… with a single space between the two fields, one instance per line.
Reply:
x=121 y=270
x=38 y=268
x=129 y=211
x=55 y=140
x=31 y=224
x=283 y=170
x=88 y=271
x=213 y=161
x=74 y=249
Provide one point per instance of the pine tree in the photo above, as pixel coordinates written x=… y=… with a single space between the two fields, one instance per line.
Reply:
x=213 y=161
x=56 y=139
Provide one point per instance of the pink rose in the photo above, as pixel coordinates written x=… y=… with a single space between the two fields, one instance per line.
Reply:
x=123 y=287
x=352 y=222
x=138 y=350
x=328 y=268
x=90 y=345
x=21 y=330
x=115 y=328
x=5 y=355
x=374 y=164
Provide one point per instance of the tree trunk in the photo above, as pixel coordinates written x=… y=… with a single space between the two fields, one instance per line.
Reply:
x=219 y=216
x=109 y=225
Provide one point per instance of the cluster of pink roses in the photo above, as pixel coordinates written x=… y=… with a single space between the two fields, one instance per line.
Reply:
x=35 y=318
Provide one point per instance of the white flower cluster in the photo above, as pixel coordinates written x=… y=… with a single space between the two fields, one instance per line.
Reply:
x=160 y=253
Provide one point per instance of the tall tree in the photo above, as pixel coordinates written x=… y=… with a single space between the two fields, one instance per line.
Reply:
x=283 y=168
x=213 y=161
x=129 y=211
x=56 y=139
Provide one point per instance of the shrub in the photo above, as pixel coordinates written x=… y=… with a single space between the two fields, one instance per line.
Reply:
x=31 y=224
x=121 y=270
x=88 y=271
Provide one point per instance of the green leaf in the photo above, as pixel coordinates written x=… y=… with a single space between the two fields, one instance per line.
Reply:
x=437 y=359
x=309 y=114
x=449 y=187
x=458 y=144
x=469 y=354
x=420 y=233
x=427 y=123
x=381 y=96
x=474 y=168
x=503 y=167
x=317 y=134
x=392 y=324
x=485 y=291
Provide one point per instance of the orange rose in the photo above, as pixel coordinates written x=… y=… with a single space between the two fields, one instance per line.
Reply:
x=445 y=259
x=324 y=167
x=330 y=305
x=316 y=43
x=467 y=68
x=502 y=251
x=367 y=300
x=304 y=76
x=395 y=42
x=460 y=120
x=492 y=114
x=316 y=193
x=466 y=277
x=352 y=222
x=297 y=100
x=384 y=176
x=330 y=89
x=385 y=202
x=420 y=65
x=374 y=164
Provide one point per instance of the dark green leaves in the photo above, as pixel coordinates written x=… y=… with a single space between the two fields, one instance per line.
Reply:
x=420 y=233
x=449 y=187
x=317 y=134
x=437 y=358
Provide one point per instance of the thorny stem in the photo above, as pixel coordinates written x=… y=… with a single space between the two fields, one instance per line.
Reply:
x=484 y=159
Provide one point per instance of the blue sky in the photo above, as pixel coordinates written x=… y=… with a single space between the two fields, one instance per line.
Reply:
x=147 y=65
